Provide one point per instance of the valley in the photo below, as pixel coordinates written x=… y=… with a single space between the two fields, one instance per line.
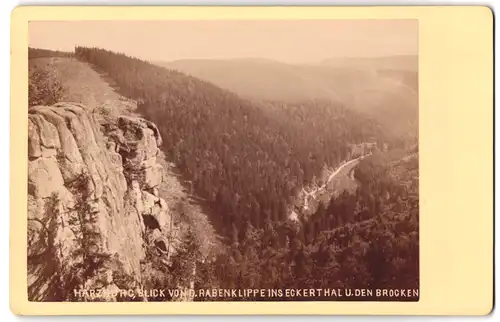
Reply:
x=260 y=192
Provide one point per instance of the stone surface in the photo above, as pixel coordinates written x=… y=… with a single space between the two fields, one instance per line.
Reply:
x=67 y=142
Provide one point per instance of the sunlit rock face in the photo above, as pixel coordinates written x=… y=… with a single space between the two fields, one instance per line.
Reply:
x=91 y=185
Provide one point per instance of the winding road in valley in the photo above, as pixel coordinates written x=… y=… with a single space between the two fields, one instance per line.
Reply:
x=313 y=194
x=330 y=178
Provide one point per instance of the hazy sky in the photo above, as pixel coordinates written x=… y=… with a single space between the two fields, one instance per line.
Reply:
x=285 y=40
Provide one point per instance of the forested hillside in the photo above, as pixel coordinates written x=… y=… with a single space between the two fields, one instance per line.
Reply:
x=384 y=88
x=365 y=240
x=42 y=53
x=248 y=161
x=320 y=120
x=247 y=165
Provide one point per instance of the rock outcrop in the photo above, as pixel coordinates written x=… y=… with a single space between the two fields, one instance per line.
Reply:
x=94 y=186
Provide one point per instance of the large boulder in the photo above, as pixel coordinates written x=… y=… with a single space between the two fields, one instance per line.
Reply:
x=111 y=172
x=138 y=142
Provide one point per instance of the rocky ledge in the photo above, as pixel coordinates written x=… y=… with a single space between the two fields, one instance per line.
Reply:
x=92 y=198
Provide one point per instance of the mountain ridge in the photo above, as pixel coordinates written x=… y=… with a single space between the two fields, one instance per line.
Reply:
x=390 y=95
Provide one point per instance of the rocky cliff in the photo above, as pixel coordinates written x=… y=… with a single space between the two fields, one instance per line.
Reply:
x=94 y=208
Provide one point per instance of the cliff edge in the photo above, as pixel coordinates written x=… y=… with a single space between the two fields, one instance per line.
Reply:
x=93 y=203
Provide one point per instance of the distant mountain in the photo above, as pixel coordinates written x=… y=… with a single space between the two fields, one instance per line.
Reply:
x=396 y=62
x=388 y=92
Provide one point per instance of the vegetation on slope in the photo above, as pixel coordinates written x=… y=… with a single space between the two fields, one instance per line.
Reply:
x=364 y=240
x=44 y=87
x=247 y=165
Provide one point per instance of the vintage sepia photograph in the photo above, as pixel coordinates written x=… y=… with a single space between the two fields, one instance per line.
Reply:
x=223 y=160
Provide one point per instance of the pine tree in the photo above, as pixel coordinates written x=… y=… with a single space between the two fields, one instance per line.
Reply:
x=87 y=258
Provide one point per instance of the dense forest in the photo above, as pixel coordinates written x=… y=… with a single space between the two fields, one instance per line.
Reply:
x=249 y=160
x=368 y=239
x=247 y=165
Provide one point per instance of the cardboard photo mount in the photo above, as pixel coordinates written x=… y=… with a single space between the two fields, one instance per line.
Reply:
x=455 y=146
